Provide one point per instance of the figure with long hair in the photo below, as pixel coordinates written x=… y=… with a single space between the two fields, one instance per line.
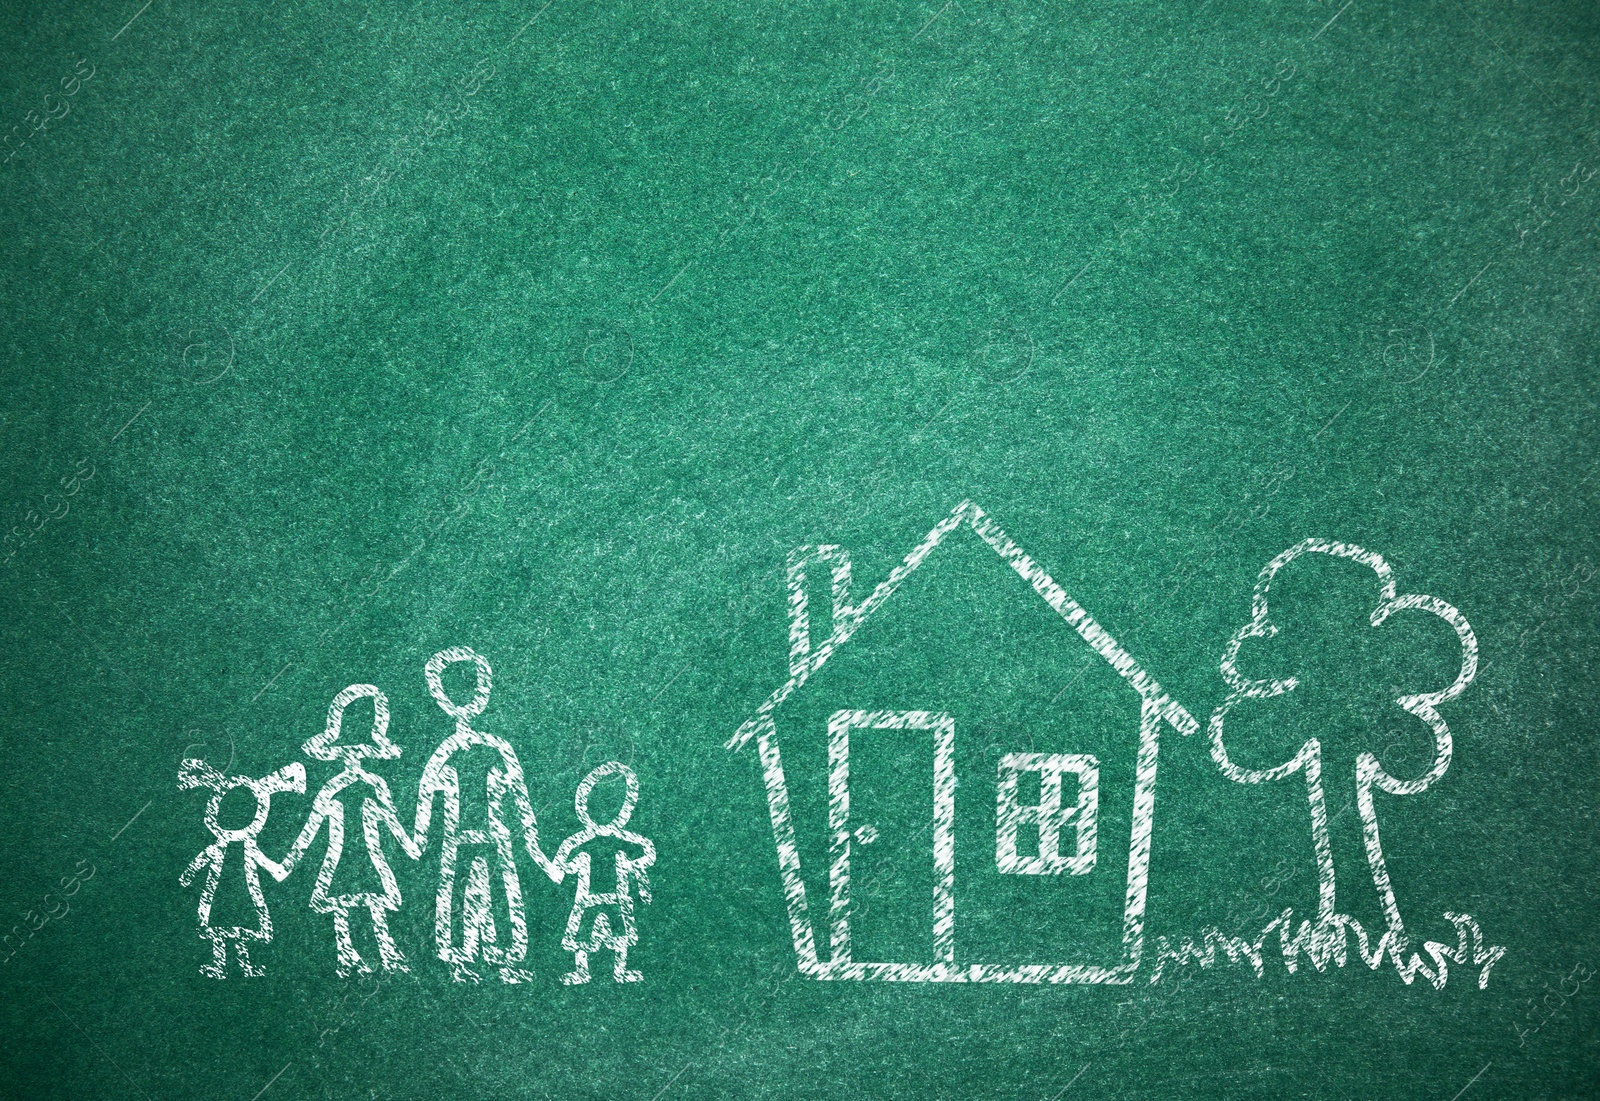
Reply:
x=377 y=814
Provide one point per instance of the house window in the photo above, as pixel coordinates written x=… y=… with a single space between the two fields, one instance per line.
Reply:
x=1049 y=815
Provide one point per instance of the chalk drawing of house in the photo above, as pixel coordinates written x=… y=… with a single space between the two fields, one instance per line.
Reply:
x=1062 y=823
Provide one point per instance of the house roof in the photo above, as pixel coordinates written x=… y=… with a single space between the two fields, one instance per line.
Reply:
x=969 y=515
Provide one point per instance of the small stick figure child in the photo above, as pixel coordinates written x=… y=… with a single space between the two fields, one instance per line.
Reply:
x=377 y=813
x=195 y=773
x=608 y=915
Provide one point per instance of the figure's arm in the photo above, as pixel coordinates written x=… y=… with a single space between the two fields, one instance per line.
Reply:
x=436 y=780
x=564 y=853
x=206 y=858
x=499 y=786
x=643 y=877
x=277 y=871
x=382 y=814
x=647 y=848
x=308 y=834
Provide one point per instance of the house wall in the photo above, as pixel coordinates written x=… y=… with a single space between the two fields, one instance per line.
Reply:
x=964 y=637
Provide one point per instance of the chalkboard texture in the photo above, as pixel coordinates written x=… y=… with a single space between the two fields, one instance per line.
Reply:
x=899 y=549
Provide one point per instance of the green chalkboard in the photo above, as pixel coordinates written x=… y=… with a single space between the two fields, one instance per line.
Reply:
x=919 y=549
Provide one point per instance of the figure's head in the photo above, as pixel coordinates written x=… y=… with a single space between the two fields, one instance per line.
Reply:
x=629 y=799
x=326 y=746
x=434 y=671
x=195 y=773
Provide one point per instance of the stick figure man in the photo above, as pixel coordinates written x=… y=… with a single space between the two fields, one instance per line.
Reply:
x=607 y=914
x=377 y=813
x=479 y=938
x=195 y=773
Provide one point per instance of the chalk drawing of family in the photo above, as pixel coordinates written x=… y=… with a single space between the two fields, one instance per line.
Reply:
x=466 y=932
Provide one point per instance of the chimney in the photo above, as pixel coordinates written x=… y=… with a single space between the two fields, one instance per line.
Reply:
x=811 y=627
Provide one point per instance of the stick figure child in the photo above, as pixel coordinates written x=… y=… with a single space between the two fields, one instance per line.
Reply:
x=608 y=915
x=377 y=813
x=195 y=773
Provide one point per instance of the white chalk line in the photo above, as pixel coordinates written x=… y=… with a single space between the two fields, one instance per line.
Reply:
x=1331 y=419
x=1325 y=942
x=1069 y=1085
x=130 y=22
x=269 y=282
x=1475 y=1077
x=1331 y=22
x=1157 y=708
x=671 y=682
x=1325 y=939
x=530 y=22
x=1081 y=671
x=848 y=619
x=1471 y=281
x=131 y=419
x=96 y=1046
x=271 y=1080
x=130 y=822
x=1069 y=282
x=271 y=682
x=671 y=281
x=462 y=942
x=931 y=21
x=671 y=1080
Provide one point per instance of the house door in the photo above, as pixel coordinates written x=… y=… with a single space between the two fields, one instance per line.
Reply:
x=891 y=818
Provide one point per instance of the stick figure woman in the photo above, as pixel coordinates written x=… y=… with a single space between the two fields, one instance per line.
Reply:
x=608 y=915
x=195 y=773
x=479 y=938
x=377 y=813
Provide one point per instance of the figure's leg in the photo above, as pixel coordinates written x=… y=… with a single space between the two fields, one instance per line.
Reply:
x=349 y=958
x=218 y=967
x=477 y=919
x=443 y=922
x=240 y=946
x=604 y=937
x=580 y=968
x=518 y=950
x=444 y=903
x=509 y=956
x=477 y=911
x=619 y=969
x=391 y=956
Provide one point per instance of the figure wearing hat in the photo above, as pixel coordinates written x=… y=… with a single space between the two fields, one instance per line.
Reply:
x=377 y=814
x=478 y=938
x=195 y=773
x=604 y=919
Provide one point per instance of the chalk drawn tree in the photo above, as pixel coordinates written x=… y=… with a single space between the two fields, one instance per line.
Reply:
x=1325 y=938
